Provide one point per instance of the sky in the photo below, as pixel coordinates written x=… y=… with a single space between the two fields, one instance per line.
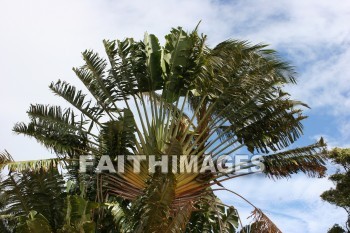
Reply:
x=40 y=41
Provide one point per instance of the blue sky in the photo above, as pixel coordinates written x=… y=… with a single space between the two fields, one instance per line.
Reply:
x=40 y=41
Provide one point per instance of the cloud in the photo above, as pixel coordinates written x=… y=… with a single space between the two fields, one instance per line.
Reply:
x=335 y=141
x=325 y=84
x=313 y=35
x=294 y=204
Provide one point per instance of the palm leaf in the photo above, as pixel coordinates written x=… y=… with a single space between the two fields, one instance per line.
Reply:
x=77 y=99
x=309 y=160
x=5 y=158
x=23 y=190
x=60 y=139
x=36 y=165
x=263 y=223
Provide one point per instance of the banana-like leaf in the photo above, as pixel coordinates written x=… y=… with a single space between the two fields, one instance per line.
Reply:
x=119 y=216
x=34 y=223
x=79 y=215
x=212 y=216
x=153 y=53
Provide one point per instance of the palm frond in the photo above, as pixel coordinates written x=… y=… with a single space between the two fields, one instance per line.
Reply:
x=5 y=158
x=97 y=88
x=263 y=223
x=256 y=72
x=309 y=160
x=36 y=165
x=22 y=192
x=77 y=99
x=61 y=140
x=57 y=116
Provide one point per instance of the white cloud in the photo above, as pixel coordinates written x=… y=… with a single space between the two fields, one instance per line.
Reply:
x=336 y=141
x=294 y=204
x=315 y=37
x=326 y=84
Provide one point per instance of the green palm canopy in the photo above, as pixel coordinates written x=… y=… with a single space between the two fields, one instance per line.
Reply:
x=183 y=98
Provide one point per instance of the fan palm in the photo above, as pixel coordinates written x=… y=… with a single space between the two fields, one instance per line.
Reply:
x=182 y=98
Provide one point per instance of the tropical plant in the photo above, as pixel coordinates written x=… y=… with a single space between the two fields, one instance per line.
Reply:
x=180 y=99
x=78 y=219
x=38 y=201
x=336 y=229
x=340 y=195
x=3 y=218
x=28 y=192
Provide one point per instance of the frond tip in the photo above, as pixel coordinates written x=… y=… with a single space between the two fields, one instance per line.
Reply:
x=262 y=223
x=309 y=160
x=5 y=158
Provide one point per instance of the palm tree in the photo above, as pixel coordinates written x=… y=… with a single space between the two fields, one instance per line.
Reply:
x=182 y=98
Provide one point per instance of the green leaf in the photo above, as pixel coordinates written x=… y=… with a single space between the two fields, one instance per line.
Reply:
x=153 y=53
x=35 y=223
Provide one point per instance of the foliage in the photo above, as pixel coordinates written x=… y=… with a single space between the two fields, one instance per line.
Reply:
x=37 y=201
x=78 y=219
x=28 y=193
x=339 y=195
x=209 y=211
x=336 y=229
x=182 y=98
